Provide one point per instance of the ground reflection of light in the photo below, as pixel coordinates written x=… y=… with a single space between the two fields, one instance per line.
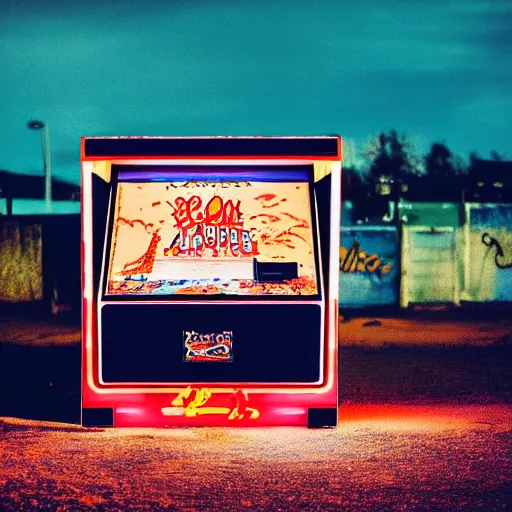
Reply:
x=380 y=458
x=387 y=417
x=291 y=411
x=130 y=410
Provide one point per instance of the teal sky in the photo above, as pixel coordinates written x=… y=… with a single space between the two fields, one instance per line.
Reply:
x=436 y=70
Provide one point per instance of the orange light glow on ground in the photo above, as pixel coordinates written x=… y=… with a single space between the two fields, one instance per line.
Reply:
x=380 y=458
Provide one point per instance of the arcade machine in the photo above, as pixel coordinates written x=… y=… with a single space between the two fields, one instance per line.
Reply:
x=210 y=281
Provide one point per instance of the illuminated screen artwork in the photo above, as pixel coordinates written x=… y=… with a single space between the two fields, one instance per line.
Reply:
x=212 y=347
x=200 y=233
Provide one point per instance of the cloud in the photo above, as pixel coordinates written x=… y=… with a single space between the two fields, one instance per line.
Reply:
x=126 y=67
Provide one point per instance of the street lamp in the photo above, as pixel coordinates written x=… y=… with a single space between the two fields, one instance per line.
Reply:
x=45 y=145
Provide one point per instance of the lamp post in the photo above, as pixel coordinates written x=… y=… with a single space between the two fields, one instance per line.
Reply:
x=45 y=145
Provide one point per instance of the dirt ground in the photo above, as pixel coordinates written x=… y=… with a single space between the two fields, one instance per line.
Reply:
x=423 y=426
x=379 y=331
x=40 y=363
x=432 y=328
x=44 y=382
x=381 y=458
x=39 y=331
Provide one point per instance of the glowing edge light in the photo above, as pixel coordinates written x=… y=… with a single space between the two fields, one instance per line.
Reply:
x=87 y=171
x=245 y=384
x=325 y=170
x=334 y=272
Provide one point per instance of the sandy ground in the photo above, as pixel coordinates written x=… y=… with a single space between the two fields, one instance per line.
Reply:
x=40 y=365
x=425 y=424
x=379 y=331
x=372 y=331
x=39 y=331
x=443 y=458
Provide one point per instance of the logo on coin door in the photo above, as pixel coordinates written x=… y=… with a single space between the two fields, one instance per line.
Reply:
x=208 y=347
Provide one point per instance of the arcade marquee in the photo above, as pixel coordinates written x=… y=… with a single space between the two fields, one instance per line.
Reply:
x=210 y=281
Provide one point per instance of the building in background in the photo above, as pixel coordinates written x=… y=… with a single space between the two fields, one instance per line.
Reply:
x=489 y=181
x=23 y=194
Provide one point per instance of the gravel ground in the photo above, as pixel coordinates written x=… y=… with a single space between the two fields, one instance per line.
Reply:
x=442 y=458
x=413 y=329
x=425 y=331
x=424 y=427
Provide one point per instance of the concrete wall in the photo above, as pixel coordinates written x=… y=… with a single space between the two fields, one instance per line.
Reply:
x=369 y=266
x=40 y=259
x=488 y=252
x=20 y=261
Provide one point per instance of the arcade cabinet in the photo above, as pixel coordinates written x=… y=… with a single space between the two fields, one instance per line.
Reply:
x=210 y=281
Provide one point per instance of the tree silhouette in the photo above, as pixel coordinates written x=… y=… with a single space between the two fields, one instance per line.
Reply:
x=497 y=157
x=354 y=184
x=440 y=161
x=393 y=162
x=391 y=157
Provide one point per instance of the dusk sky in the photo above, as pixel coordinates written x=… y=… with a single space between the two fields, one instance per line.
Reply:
x=435 y=70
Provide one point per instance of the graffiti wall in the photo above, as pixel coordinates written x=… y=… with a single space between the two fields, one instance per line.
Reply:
x=20 y=261
x=437 y=256
x=488 y=255
x=369 y=266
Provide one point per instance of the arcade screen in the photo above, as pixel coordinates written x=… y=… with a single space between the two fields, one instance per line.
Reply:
x=232 y=232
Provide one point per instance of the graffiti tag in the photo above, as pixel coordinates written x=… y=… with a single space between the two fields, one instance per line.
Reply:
x=188 y=214
x=499 y=257
x=217 y=226
x=208 y=347
x=354 y=260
